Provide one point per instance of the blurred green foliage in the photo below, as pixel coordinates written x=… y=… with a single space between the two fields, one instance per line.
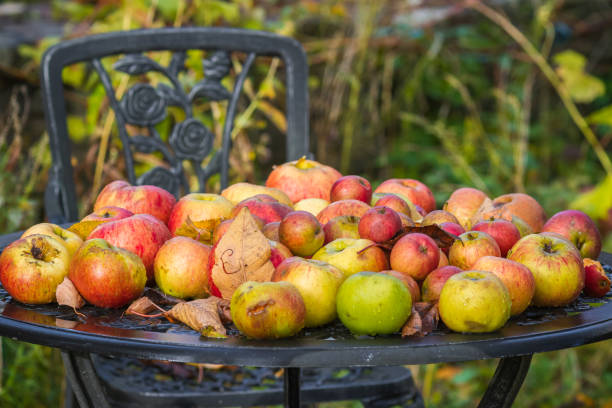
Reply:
x=427 y=90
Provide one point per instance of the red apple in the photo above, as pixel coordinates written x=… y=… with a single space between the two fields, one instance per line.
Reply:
x=278 y=252
x=351 y=188
x=270 y=230
x=379 y=224
x=415 y=255
x=597 y=283
x=264 y=207
x=556 y=266
x=503 y=232
x=107 y=276
x=301 y=233
x=180 y=268
x=452 y=228
x=104 y=214
x=141 y=234
x=198 y=207
x=317 y=282
x=578 y=228
x=438 y=217
x=397 y=203
x=409 y=282
x=433 y=283
x=517 y=277
x=33 y=266
x=355 y=208
x=509 y=205
x=137 y=199
x=463 y=203
x=414 y=190
x=471 y=246
x=220 y=230
x=303 y=179
x=343 y=226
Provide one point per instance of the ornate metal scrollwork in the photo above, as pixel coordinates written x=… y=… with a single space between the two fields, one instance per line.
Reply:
x=145 y=106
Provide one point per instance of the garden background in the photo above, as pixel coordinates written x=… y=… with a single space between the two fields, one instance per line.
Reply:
x=505 y=95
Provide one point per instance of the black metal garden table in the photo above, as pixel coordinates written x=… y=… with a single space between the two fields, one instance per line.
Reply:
x=107 y=332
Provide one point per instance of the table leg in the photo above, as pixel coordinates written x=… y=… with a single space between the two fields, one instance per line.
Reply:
x=292 y=387
x=506 y=382
x=84 y=381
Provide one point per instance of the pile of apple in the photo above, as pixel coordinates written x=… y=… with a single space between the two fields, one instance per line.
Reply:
x=311 y=246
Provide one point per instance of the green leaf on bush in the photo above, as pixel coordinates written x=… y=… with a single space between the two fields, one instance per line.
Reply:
x=595 y=202
x=583 y=88
x=602 y=116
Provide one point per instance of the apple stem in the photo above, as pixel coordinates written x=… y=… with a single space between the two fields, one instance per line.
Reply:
x=149 y=316
x=81 y=315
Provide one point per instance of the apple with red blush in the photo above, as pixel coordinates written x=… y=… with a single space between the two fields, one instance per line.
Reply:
x=433 y=283
x=144 y=199
x=470 y=247
x=415 y=255
x=597 y=283
x=198 y=207
x=417 y=192
x=180 y=268
x=106 y=275
x=32 y=267
x=517 y=277
x=579 y=228
x=301 y=232
x=355 y=208
x=278 y=252
x=503 y=232
x=263 y=206
x=342 y=226
x=303 y=178
x=351 y=187
x=463 y=203
x=141 y=234
x=270 y=230
x=379 y=224
x=438 y=217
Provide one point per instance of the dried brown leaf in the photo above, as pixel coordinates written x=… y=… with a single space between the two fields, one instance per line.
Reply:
x=67 y=294
x=413 y=326
x=242 y=254
x=423 y=320
x=223 y=308
x=140 y=306
x=201 y=315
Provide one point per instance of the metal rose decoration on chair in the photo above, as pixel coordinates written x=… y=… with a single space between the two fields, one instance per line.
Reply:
x=145 y=106
x=190 y=139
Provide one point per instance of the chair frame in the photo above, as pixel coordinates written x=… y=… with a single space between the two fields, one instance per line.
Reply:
x=60 y=195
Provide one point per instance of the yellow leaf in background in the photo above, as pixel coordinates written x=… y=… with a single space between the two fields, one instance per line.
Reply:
x=583 y=88
x=275 y=115
x=602 y=116
x=266 y=89
x=595 y=202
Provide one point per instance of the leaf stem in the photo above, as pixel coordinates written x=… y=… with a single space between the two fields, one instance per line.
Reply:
x=550 y=74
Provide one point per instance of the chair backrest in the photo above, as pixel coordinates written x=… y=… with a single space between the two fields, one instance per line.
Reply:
x=143 y=105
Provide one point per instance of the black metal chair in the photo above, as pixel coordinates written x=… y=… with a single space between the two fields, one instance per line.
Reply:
x=142 y=107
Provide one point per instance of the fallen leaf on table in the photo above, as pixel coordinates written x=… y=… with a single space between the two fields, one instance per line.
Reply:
x=67 y=294
x=422 y=321
x=242 y=254
x=140 y=306
x=443 y=239
x=201 y=315
x=223 y=308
